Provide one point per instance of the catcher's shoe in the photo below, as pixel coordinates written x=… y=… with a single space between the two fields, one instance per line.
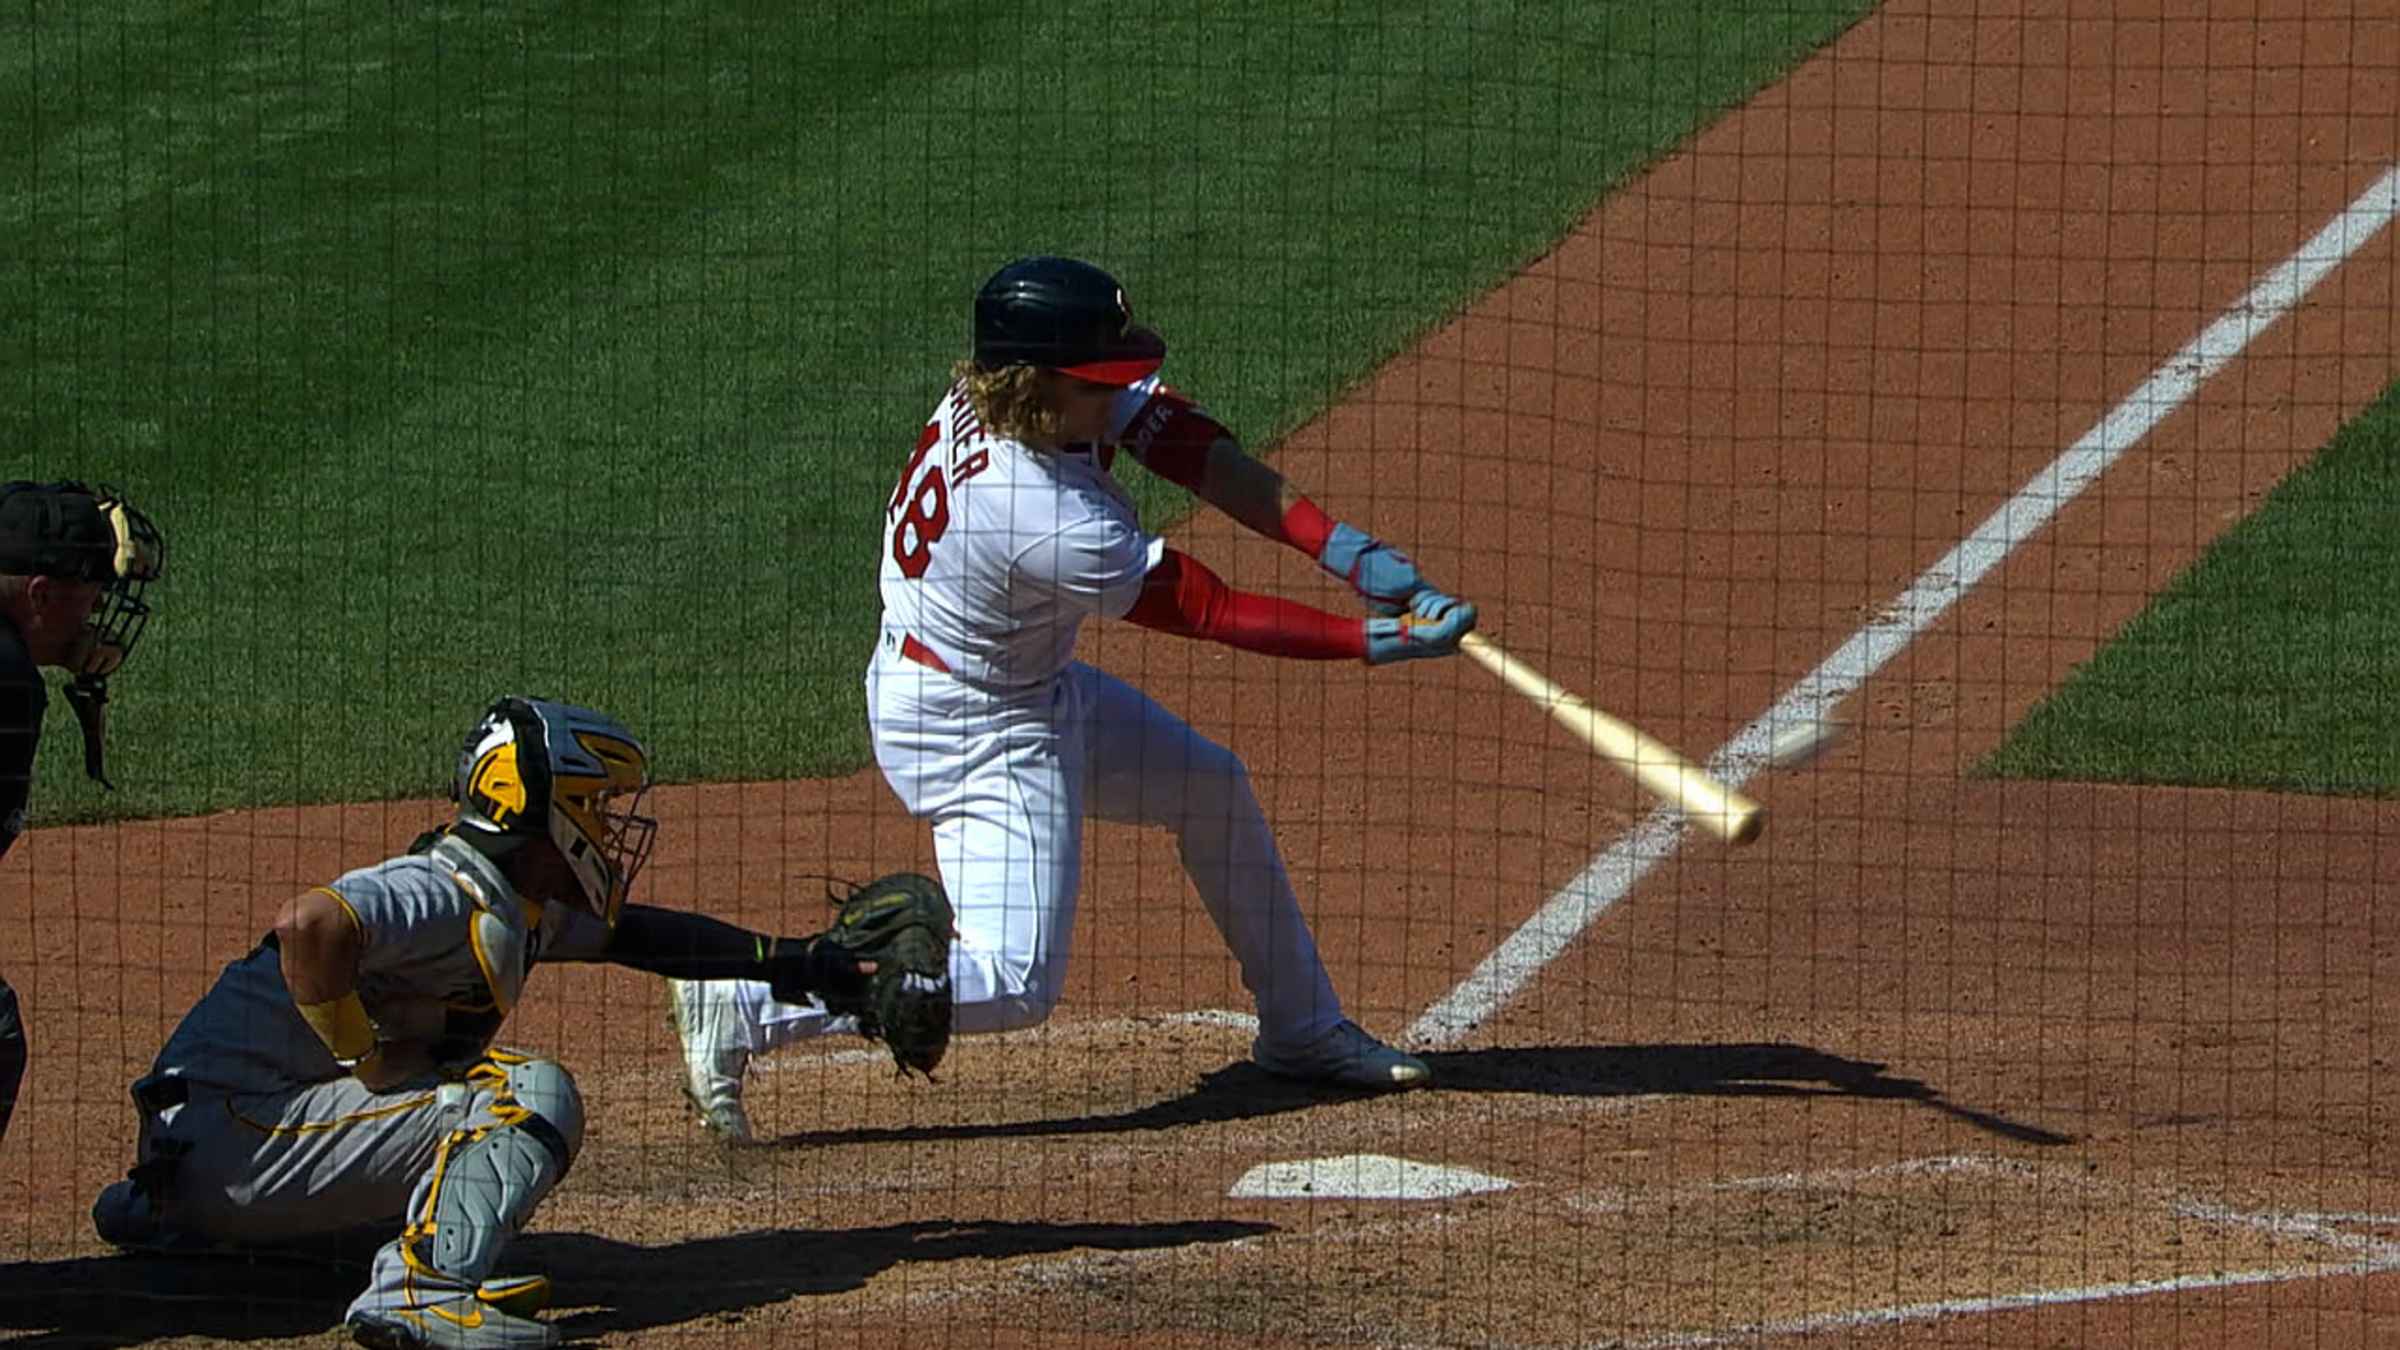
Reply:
x=516 y=1295
x=1345 y=1056
x=482 y=1320
x=713 y=1063
x=123 y=1218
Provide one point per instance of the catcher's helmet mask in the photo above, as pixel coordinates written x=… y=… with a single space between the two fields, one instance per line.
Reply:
x=537 y=769
x=1065 y=315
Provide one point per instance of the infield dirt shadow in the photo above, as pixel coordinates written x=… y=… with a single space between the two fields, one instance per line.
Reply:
x=1242 y=1091
x=103 y=1302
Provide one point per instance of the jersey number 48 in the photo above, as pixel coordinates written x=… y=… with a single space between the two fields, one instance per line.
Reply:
x=919 y=511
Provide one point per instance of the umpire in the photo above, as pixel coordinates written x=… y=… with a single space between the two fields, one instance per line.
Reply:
x=74 y=561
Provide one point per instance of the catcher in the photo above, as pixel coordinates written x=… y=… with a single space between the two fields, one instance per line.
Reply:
x=344 y=1073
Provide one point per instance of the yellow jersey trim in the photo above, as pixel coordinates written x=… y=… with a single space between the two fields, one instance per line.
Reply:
x=347 y=912
x=483 y=961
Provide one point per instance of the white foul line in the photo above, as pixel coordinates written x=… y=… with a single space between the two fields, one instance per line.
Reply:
x=1936 y=1309
x=2374 y=1257
x=1613 y=874
x=2371 y=1256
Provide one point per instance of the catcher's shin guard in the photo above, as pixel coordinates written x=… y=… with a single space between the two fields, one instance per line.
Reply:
x=432 y=1286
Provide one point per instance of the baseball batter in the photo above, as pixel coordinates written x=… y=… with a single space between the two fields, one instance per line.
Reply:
x=343 y=1073
x=74 y=562
x=1003 y=534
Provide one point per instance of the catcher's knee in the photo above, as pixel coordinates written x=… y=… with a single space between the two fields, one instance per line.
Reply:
x=553 y=1105
x=488 y=1178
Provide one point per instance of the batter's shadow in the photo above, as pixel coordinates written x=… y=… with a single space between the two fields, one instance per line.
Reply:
x=602 y=1285
x=1742 y=1069
x=1242 y=1091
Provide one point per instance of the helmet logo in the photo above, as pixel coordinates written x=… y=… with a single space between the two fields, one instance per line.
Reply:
x=495 y=788
x=1124 y=313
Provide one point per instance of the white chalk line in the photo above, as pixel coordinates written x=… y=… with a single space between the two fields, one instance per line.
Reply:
x=1618 y=1201
x=2367 y=1217
x=2375 y=1256
x=1614 y=873
x=2313 y=1227
x=1936 y=1309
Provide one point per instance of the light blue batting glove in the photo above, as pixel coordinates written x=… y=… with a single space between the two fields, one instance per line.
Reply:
x=1383 y=576
x=1433 y=626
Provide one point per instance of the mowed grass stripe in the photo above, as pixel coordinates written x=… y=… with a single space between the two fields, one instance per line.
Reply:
x=462 y=350
x=2267 y=664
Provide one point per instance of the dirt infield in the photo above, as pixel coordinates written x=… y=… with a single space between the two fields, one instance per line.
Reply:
x=1939 y=1061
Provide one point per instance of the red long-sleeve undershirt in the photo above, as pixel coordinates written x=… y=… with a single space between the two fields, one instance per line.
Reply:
x=1181 y=596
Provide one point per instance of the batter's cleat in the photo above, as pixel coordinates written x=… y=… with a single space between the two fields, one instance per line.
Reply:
x=1345 y=1056
x=468 y=1322
x=713 y=1064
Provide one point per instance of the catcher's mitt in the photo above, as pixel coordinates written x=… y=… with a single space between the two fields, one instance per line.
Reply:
x=902 y=923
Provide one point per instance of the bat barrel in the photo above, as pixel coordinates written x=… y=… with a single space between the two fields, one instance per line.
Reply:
x=1652 y=763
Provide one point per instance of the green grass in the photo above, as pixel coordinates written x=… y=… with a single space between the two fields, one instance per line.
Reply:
x=461 y=350
x=2268 y=663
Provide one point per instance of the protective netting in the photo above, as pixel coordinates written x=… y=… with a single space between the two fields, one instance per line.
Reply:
x=1965 y=430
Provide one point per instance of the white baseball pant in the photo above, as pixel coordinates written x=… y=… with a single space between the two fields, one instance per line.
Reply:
x=1007 y=780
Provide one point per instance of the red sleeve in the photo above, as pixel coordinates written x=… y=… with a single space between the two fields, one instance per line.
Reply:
x=1306 y=528
x=1171 y=436
x=1183 y=597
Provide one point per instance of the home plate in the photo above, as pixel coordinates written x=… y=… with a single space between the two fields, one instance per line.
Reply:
x=1361 y=1176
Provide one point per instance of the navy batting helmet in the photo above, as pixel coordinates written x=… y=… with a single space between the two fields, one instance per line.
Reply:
x=1064 y=314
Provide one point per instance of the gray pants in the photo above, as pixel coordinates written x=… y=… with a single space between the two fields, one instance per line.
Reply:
x=462 y=1164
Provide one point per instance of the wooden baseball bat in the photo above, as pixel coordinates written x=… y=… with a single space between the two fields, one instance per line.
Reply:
x=1664 y=774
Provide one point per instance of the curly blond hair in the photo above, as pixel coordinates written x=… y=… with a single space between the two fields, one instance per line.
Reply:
x=1010 y=401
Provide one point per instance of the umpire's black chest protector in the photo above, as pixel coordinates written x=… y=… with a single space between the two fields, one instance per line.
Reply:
x=23 y=701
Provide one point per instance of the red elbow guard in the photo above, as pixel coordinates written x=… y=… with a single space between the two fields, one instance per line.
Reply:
x=1171 y=436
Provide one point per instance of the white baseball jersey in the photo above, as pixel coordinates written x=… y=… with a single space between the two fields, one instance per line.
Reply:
x=994 y=553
